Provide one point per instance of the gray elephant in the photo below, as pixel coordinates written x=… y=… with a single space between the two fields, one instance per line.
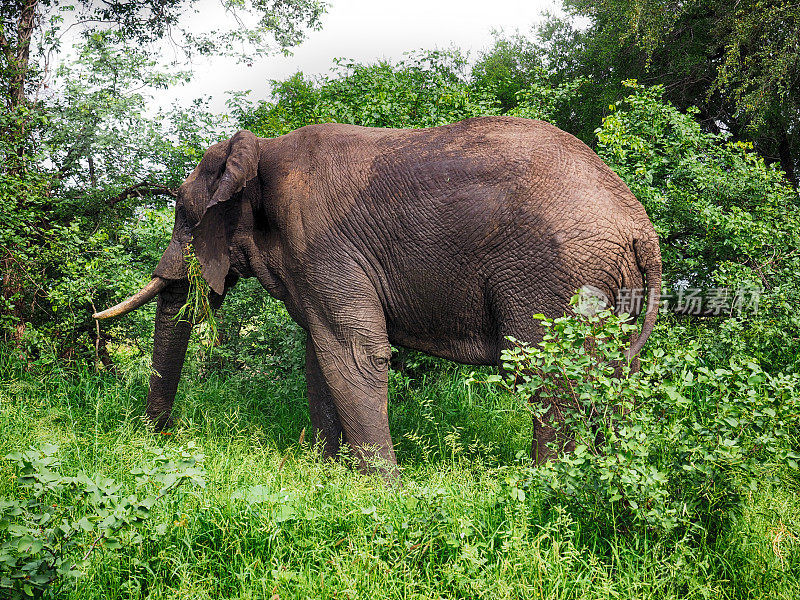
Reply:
x=444 y=240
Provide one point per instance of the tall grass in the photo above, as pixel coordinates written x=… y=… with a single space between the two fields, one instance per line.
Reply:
x=276 y=521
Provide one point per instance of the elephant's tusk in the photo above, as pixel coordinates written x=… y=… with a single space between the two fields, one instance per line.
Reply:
x=143 y=296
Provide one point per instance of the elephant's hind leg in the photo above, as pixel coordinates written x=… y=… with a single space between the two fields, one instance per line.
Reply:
x=550 y=437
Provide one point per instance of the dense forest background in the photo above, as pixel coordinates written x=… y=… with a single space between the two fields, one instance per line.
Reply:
x=696 y=105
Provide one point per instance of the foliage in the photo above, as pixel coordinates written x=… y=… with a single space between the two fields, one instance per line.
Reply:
x=48 y=535
x=99 y=138
x=285 y=21
x=98 y=158
x=519 y=71
x=553 y=103
x=81 y=153
x=736 y=63
x=247 y=28
x=509 y=66
x=515 y=72
x=197 y=309
x=725 y=218
x=671 y=449
x=256 y=333
x=465 y=523
x=18 y=221
x=424 y=90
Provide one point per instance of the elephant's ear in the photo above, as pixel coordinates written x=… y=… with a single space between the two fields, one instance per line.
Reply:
x=211 y=235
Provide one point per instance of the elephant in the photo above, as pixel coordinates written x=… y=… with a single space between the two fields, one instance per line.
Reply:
x=444 y=240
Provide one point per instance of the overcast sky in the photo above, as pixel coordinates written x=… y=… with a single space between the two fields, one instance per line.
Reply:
x=366 y=30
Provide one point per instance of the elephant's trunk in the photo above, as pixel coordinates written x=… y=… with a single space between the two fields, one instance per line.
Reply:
x=169 y=351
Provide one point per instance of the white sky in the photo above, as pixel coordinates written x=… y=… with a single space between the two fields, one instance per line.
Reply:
x=364 y=30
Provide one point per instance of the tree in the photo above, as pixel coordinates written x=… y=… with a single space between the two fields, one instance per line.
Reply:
x=509 y=66
x=738 y=64
x=80 y=136
x=424 y=90
x=729 y=225
x=104 y=165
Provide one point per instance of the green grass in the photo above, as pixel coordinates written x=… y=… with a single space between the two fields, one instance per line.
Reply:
x=318 y=529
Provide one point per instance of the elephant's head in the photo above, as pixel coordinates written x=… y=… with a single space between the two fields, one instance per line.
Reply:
x=200 y=220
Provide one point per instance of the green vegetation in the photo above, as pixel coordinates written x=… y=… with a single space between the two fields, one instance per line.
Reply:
x=737 y=64
x=689 y=492
x=38 y=555
x=468 y=521
x=671 y=448
x=198 y=309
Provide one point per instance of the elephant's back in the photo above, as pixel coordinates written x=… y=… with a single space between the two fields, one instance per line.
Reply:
x=509 y=160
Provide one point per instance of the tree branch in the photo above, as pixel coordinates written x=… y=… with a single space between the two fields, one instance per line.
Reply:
x=140 y=190
x=25 y=27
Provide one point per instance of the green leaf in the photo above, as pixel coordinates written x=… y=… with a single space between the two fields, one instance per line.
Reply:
x=168 y=480
x=111 y=544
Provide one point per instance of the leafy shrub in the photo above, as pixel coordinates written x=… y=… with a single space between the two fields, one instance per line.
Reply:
x=669 y=449
x=724 y=217
x=512 y=64
x=256 y=333
x=424 y=90
x=78 y=215
x=48 y=535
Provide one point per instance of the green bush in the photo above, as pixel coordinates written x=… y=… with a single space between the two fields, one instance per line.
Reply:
x=424 y=90
x=669 y=449
x=48 y=534
x=725 y=220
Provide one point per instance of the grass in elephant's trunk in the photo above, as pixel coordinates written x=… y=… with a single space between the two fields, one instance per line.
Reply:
x=197 y=309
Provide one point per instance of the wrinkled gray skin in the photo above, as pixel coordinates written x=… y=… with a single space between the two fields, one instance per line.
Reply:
x=444 y=240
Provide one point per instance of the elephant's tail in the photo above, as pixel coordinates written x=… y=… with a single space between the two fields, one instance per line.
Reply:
x=648 y=259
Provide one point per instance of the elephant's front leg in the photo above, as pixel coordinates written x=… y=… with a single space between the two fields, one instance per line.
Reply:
x=327 y=426
x=355 y=365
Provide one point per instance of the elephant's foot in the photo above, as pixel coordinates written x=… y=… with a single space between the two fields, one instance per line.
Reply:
x=161 y=421
x=378 y=459
x=326 y=445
